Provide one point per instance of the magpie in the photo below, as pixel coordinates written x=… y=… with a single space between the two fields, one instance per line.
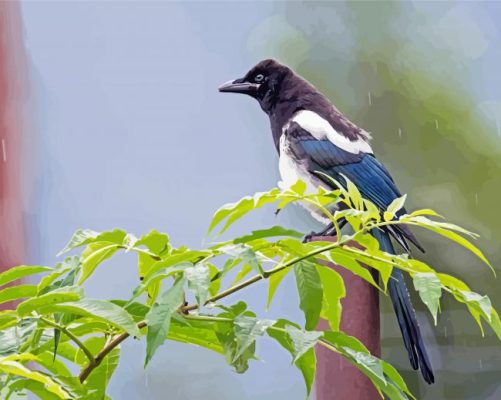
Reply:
x=316 y=141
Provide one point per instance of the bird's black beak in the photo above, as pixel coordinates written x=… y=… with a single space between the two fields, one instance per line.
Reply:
x=239 y=86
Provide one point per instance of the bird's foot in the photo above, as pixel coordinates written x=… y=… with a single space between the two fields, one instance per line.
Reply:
x=307 y=238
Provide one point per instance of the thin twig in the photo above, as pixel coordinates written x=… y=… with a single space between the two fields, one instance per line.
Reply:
x=75 y=339
x=105 y=351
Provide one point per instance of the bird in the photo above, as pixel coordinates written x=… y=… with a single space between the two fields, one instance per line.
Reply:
x=315 y=143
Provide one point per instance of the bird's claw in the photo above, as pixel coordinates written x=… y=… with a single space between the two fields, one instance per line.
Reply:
x=307 y=238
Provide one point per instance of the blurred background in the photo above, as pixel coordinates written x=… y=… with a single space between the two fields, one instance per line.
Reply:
x=119 y=124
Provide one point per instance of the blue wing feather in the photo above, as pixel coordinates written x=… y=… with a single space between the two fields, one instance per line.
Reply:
x=363 y=169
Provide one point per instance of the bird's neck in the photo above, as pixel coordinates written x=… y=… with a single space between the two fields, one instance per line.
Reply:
x=298 y=97
x=280 y=116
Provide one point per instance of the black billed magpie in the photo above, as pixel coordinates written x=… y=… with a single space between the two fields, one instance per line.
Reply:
x=312 y=136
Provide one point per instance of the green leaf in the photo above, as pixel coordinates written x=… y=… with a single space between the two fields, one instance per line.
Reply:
x=12 y=338
x=299 y=187
x=87 y=325
x=226 y=336
x=158 y=244
x=79 y=238
x=8 y=365
x=187 y=256
x=215 y=279
x=354 y=194
x=152 y=283
x=246 y=254
x=358 y=354
x=7 y=319
x=21 y=271
x=310 y=292
x=198 y=278
x=136 y=310
x=437 y=228
x=17 y=292
x=384 y=377
x=234 y=211
x=158 y=318
x=247 y=330
x=333 y=292
x=302 y=341
x=86 y=236
x=274 y=280
x=367 y=241
x=64 y=294
x=69 y=352
x=20 y=386
x=274 y=231
x=70 y=266
x=200 y=333
x=99 y=379
x=344 y=260
x=372 y=211
x=397 y=380
x=380 y=261
x=305 y=363
x=54 y=365
x=425 y=211
x=93 y=255
x=430 y=290
x=100 y=309
x=396 y=205
x=244 y=271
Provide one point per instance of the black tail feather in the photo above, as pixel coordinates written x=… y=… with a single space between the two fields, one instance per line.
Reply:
x=406 y=314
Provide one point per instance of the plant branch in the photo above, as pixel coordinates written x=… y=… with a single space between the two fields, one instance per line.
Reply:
x=84 y=374
x=121 y=337
x=75 y=339
x=265 y=275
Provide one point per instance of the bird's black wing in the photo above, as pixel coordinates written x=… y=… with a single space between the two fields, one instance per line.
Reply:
x=363 y=169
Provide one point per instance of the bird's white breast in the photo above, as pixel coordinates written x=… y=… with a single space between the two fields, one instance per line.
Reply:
x=291 y=171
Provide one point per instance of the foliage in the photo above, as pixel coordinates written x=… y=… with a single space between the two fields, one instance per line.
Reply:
x=55 y=327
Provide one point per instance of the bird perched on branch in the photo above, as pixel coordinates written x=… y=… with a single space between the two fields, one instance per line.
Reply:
x=315 y=141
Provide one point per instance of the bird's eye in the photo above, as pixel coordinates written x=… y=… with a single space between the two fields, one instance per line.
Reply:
x=258 y=78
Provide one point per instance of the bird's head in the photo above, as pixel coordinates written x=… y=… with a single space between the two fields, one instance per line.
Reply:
x=263 y=82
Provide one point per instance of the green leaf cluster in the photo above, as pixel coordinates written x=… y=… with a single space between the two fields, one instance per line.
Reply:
x=182 y=293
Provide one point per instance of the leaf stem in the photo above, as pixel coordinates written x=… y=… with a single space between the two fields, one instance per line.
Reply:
x=143 y=251
x=70 y=334
x=328 y=214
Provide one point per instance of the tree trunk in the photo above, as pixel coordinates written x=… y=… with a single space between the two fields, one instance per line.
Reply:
x=336 y=378
x=12 y=80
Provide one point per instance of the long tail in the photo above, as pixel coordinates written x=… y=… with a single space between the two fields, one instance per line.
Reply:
x=406 y=314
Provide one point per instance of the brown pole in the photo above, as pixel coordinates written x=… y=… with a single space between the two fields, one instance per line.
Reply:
x=12 y=81
x=336 y=378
